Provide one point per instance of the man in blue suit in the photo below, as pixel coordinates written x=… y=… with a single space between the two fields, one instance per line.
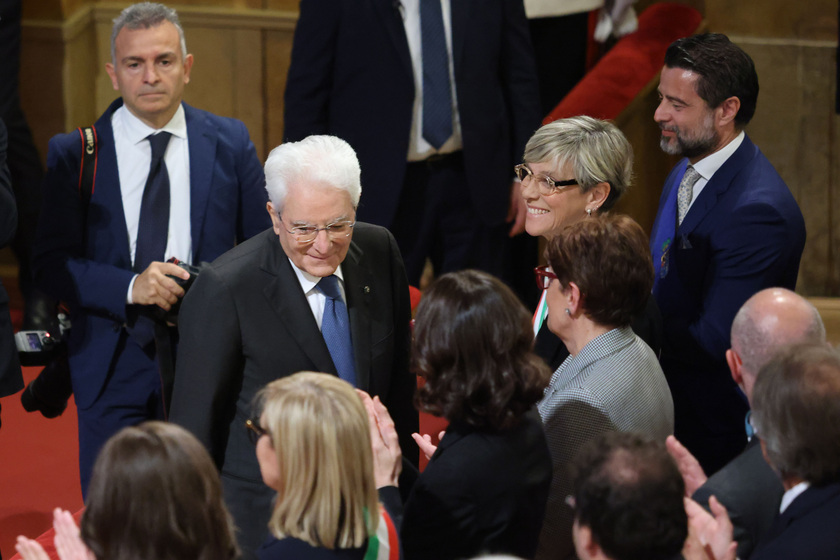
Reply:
x=192 y=196
x=727 y=227
x=438 y=99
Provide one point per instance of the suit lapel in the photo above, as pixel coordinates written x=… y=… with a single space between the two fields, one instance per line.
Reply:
x=202 y=139
x=107 y=192
x=718 y=185
x=288 y=301
x=357 y=286
x=390 y=14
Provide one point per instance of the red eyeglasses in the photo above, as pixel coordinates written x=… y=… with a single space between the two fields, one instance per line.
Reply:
x=544 y=276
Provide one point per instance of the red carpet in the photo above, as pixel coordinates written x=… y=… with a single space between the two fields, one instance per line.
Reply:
x=39 y=469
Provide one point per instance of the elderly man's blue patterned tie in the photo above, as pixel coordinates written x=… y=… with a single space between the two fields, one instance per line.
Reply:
x=335 y=328
x=437 y=92
x=153 y=229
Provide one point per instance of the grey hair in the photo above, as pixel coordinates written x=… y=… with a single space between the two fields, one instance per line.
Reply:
x=316 y=159
x=796 y=412
x=596 y=150
x=144 y=16
x=758 y=331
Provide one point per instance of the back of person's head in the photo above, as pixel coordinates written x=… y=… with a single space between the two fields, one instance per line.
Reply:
x=629 y=493
x=796 y=412
x=769 y=320
x=473 y=344
x=319 y=430
x=609 y=260
x=156 y=494
x=318 y=161
x=596 y=150
x=724 y=71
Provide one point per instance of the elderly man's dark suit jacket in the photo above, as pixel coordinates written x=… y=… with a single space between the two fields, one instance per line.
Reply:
x=751 y=492
x=11 y=380
x=351 y=76
x=744 y=233
x=807 y=530
x=246 y=322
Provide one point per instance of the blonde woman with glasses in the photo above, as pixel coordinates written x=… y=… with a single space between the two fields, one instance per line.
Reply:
x=313 y=447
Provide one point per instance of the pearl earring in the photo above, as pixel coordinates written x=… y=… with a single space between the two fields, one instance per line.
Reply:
x=589 y=212
x=569 y=313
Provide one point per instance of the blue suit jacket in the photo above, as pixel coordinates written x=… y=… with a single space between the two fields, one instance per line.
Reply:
x=806 y=529
x=85 y=261
x=744 y=233
x=351 y=76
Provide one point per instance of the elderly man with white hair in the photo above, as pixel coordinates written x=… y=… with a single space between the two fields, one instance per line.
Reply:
x=317 y=291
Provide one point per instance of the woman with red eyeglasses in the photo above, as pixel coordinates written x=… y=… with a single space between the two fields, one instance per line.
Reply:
x=599 y=274
x=576 y=169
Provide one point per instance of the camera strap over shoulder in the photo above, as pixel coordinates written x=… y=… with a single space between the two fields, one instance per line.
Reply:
x=87 y=168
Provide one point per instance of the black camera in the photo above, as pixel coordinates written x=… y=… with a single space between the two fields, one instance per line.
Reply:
x=38 y=348
x=158 y=314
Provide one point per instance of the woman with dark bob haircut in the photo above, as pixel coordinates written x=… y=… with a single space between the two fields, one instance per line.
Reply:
x=485 y=488
x=155 y=494
x=600 y=277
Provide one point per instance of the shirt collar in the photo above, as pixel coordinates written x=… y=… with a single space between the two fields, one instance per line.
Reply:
x=709 y=165
x=308 y=281
x=136 y=130
x=792 y=494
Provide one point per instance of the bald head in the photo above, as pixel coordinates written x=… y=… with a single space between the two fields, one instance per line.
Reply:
x=769 y=320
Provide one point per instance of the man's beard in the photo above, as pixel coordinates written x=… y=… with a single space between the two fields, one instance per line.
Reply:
x=690 y=145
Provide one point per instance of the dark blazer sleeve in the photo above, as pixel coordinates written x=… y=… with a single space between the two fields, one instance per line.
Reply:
x=400 y=398
x=520 y=76
x=210 y=363
x=252 y=218
x=569 y=427
x=62 y=268
x=8 y=208
x=751 y=493
x=309 y=83
x=10 y=375
x=754 y=248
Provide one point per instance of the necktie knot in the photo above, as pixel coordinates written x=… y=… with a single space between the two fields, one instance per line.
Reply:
x=329 y=287
x=159 y=142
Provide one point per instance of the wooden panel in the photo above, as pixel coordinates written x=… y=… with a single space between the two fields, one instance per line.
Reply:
x=829 y=309
x=813 y=20
x=278 y=49
x=794 y=126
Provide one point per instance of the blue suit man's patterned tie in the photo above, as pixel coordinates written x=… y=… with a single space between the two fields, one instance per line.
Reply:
x=335 y=328
x=153 y=229
x=686 y=193
x=437 y=92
